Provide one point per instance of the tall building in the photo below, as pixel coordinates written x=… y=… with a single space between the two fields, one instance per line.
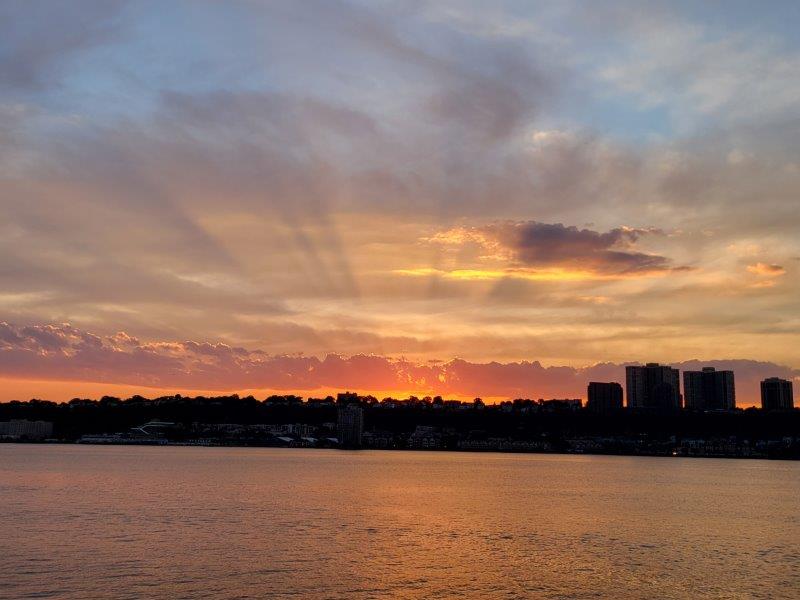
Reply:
x=653 y=386
x=350 y=425
x=776 y=394
x=604 y=397
x=709 y=389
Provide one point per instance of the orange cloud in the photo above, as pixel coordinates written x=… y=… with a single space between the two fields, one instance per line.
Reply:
x=766 y=269
x=549 y=274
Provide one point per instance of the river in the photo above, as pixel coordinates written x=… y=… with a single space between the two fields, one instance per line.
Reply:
x=82 y=522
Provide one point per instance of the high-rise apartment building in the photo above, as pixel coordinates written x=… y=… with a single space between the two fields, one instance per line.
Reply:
x=350 y=425
x=776 y=394
x=709 y=389
x=653 y=386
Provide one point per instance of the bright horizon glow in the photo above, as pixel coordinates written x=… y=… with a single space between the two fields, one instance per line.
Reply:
x=64 y=391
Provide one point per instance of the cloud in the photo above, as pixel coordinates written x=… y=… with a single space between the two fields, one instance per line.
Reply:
x=536 y=245
x=265 y=182
x=63 y=352
x=710 y=68
x=40 y=35
x=766 y=269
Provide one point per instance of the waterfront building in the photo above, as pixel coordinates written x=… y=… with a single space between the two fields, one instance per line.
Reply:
x=653 y=386
x=350 y=425
x=604 y=397
x=559 y=404
x=24 y=429
x=425 y=437
x=776 y=394
x=709 y=389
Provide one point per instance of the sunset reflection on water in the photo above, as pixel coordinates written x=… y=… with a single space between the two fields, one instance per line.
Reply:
x=122 y=522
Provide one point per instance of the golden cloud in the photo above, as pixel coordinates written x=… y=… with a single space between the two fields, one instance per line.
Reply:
x=766 y=269
x=550 y=274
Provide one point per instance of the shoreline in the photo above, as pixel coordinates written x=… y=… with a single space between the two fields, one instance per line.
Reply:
x=422 y=450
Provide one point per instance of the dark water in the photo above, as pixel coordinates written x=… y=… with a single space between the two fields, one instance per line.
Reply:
x=144 y=522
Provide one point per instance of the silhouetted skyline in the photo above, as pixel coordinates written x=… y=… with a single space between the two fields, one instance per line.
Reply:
x=352 y=422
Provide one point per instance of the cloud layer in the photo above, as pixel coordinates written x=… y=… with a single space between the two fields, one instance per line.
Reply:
x=62 y=352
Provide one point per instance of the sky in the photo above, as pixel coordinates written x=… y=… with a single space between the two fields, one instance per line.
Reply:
x=503 y=199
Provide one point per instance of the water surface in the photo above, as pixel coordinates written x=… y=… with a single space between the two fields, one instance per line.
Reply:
x=186 y=522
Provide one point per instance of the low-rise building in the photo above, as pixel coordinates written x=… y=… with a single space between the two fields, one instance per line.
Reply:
x=24 y=429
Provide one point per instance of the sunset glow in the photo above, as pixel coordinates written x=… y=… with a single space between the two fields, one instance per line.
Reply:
x=529 y=274
x=360 y=299
x=231 y=197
